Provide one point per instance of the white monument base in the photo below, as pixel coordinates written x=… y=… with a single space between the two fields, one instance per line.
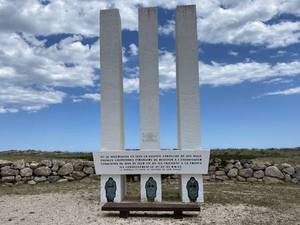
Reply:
x=120 y=184
x=184 y=194
x=157 y=178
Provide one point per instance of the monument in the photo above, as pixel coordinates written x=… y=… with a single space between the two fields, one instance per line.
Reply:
x=113 y=162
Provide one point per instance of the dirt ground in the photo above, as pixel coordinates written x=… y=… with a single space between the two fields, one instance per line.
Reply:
x=78 y=203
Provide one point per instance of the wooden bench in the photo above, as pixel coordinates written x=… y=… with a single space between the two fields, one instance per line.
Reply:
x=125 y=207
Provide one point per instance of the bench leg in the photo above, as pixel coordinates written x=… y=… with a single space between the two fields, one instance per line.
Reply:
x=124 y=214
x=178 y=214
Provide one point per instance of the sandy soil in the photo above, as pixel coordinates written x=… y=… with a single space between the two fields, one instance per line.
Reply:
x=82 y=208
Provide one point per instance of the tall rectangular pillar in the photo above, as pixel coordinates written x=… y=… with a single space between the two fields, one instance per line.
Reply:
x=149 y=92
x=112 y=124
x=188 y=99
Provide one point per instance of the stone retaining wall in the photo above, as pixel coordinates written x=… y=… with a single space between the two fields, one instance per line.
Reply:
x=248 y=171
x=19 y=172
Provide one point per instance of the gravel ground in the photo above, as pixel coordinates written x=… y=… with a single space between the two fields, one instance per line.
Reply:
x=81 y=206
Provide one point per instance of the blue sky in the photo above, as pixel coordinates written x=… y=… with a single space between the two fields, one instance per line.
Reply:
x=249 y=68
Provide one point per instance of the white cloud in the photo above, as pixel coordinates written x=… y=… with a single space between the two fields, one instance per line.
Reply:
x=233 y=53
x=37 y=65
x=231 y=74
x=278 y=80
x=14 y=99
x=218 y=74
x=219 y=21
x=290 y=91
x=133 y=49
x=131 y=85
x=28 y=67
x=168 y=28
x=92 y=96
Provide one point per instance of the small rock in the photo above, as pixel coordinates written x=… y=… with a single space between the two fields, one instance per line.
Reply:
x=88 y=170
x=78 y=175
x=39 y=179
x=258 y=166
x=56 y=165
x=238 y=165
x=19 y=164
x=272 y=180
x=53 y=179
x=34 y=165
x=65 y=169
x=273 y=171
x=220 y=173
x=222 y=178
x=285 y=165
x=62 y=180
x=231 y=161
x=228 y=167
x=31 y=182
x=251 y=179
x=7 y=171
x=247 y=165
x=259 y=174
x=8 y=179
x=26 y=172
x=211 y=168
x=46 y=162
x=246 y=172
x=287 y=178
x=69 y=178
x=78 y=165
x=268 y=164
x=18 y=178
x=242 y=179
x=232 y=172
x=27 y=178
x=5 y=163
x=289 y=170
x=88 y=163
x=42 y=171
x=295 y=181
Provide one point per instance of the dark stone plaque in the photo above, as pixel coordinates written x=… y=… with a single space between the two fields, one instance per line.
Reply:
x=192 y=187
x=110 y=189
x=151 y=188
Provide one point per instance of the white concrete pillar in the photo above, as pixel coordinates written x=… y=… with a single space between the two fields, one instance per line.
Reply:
x=112 y=124
x=188 y=99
x=149 y=90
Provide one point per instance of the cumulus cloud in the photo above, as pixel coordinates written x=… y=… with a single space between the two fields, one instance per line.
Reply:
x=43 y=72
x=15 y=98
x=31 y=70
x=217 y=74
x=219 y=21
